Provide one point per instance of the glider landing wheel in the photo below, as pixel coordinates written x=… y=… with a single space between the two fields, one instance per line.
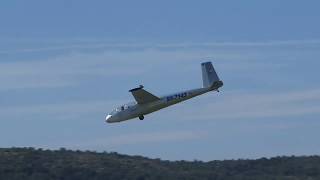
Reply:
x=141 y=117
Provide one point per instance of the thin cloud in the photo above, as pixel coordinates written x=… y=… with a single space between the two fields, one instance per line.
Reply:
x=70 y=68
x=139 y=138
x=92 y=44
x=230 y=105
x=62 y=111
x=237 y=105
x=63 y=71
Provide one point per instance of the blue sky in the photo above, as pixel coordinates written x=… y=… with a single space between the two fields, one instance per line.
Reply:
x=65 y=64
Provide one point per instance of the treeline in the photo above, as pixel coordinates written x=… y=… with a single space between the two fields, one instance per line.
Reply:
x=38 y=164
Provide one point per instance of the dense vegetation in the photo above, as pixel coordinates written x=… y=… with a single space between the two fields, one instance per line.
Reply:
x=29 y=163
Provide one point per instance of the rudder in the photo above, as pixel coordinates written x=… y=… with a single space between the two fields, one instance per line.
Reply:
x=209 y=75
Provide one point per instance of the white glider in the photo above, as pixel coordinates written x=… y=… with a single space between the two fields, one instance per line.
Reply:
x=147 y=103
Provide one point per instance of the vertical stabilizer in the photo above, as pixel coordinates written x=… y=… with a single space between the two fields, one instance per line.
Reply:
x=209 y=76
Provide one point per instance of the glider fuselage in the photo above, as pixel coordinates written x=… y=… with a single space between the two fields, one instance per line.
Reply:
x=134 y=110
x=147 y=103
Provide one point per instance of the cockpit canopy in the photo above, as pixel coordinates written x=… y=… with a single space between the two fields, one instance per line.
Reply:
x=122 y=108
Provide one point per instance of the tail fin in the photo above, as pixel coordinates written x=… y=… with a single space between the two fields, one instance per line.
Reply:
x=210 y=77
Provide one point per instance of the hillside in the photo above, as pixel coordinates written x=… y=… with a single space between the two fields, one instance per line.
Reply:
x=29 y=163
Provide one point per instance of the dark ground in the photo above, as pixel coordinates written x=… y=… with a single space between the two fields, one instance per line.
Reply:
x=29 y=163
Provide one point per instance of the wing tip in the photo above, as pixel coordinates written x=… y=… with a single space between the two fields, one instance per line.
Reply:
x=135 y=89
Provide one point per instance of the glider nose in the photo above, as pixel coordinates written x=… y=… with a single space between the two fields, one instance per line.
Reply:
x=108 y=118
